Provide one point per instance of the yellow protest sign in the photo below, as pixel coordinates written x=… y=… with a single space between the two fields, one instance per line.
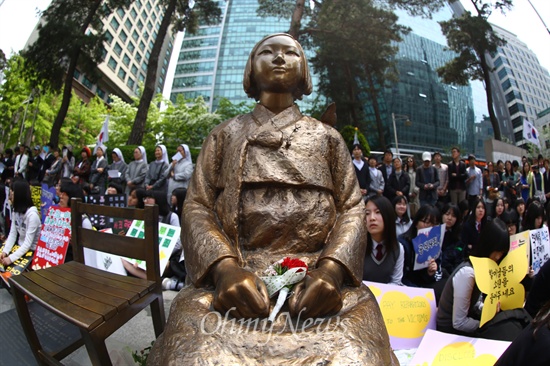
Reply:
x=407 y=311
x=501 y=282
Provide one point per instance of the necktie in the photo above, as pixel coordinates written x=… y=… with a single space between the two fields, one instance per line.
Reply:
x=379 y=254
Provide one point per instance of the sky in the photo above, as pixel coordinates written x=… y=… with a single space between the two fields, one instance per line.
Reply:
x=18 y=18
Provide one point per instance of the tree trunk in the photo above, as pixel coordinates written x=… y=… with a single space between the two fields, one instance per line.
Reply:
x=351 y=95
x=374 y=98
x=68 y=83
x=138 y=129
x=296 y=21
x=489 y=92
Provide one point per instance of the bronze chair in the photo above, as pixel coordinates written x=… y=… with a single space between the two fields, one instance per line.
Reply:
x=95 y=301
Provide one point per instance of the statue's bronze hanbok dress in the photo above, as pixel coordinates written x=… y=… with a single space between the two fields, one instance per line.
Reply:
x=268 y=186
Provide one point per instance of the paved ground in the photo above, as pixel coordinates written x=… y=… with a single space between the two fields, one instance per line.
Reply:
x=135 y=335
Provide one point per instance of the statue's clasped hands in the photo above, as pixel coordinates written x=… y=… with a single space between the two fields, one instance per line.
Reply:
x=244 y=294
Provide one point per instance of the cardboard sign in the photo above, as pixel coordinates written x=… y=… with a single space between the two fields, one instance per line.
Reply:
x=408 y=312
x=519 y=240
x=16 y=267
x=443 y=349
x=113 y=200
x=54 y=239
x=427 y=245
x=47 y=197
x=168 y=236
x=501 y=282
x=540 y=248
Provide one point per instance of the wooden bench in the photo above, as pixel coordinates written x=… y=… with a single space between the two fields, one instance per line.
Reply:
x=97 y=302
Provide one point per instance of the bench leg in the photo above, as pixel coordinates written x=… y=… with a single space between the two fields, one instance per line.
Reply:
x=157 y=312
x=96 y=349
x=26 y=323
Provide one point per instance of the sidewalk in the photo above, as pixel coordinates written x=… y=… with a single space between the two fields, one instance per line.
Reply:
x=135 y=335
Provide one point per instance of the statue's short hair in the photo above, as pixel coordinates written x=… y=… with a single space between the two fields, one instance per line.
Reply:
x=305 y=86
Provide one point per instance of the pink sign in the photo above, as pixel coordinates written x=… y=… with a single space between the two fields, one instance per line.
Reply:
x=54 y=239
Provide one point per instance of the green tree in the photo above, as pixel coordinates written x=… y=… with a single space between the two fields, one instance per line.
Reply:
x=472 y=37
x=352 y=66
x=296 y=10
x=81 y=125
x=71 y=36
x=227 y=110
x=183 y=16
x=187 y=122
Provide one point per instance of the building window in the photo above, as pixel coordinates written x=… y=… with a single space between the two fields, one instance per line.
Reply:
x=120 y=13
x=147 y=55
x=126 y=60
x=131 y=47
x=134 y=70
x=130 y=83
x=117 y=48
x=141 y=77
x=114 y=23
x=140 y=25
x=135 y=36
x=112 y=63
x=128 y=24
x=149 y=25
x=121 y=74
x=108 y=37
x=123 y=36
x=144 y=66
x=145 y=34
x=87 y=83
x=148 y=6
x=141 y=45
x=134 y=13
x=100 y=93
x=138 y=57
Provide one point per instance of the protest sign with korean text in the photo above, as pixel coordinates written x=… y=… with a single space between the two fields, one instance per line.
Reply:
x=54 y=239
x=427 y=245
x=501 y=282
x=47 y=198
x=540 y=248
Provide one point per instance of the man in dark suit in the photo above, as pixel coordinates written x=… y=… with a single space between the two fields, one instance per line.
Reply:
x=427 y=180
x=457 y=177
x=386 y=168
x=399 y=182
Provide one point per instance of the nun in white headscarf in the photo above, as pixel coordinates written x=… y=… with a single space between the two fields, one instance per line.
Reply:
x=98 y=171
x=180 y=171
x=117 y=167
x=137 y=170
x=158 y=170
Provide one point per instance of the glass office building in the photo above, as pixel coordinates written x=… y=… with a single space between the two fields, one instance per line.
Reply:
x=211 y=63
x=439 y=115
x=521 y=86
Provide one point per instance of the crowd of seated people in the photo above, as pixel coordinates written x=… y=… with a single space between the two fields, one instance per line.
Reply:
x=480 y=210
x=99 y=172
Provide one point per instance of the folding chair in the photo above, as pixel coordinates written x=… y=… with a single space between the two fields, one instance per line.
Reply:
x=95 y=301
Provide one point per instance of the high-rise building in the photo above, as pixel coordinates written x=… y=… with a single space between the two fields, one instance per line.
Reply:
x=211 y=62
x=521 y=86
x=130 y=33
x=439 y=115
x=211 y=65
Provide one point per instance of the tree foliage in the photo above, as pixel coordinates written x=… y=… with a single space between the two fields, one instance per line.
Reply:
x=353 y=67
x=70 y=36
x=180 y=14
x=472 y=37
x=227 y=110
x=81 y=125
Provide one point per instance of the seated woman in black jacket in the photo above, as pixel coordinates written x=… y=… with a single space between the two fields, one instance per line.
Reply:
x=433 y=276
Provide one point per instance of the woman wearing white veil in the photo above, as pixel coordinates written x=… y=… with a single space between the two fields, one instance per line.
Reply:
x=137 y=170
x=158 y=170
x=180 y=171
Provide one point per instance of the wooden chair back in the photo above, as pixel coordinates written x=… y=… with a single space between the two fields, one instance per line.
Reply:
x=145 y=249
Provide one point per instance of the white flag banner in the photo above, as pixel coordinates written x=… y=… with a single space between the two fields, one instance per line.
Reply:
x=530 y=133
x=103 y=136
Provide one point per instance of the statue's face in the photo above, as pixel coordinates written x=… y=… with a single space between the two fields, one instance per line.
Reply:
x=277 y=65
